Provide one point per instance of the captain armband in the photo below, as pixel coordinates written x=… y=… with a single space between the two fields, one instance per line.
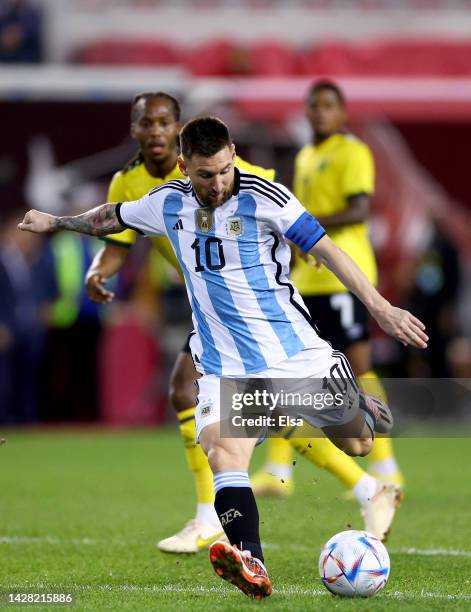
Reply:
x=305 y=232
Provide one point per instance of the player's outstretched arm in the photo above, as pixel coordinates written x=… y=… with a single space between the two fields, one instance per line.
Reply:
x=398 y=323
x=99 y=221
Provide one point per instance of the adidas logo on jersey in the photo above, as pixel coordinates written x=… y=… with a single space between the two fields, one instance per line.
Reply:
x=178 y=225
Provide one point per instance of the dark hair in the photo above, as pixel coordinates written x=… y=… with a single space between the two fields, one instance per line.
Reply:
x=325 y=85
x=204 y=136
x=147 y=95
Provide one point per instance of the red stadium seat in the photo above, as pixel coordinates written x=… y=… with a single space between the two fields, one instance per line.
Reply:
x=271 y=58
x=216 y=58
x=425 y=57
x=123 y=52
x=328 y=58
x=388 y=58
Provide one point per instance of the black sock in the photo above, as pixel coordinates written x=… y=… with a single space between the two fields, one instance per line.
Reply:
x=237 y=511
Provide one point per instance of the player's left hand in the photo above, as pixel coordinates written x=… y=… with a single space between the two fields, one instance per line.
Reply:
x=403 y=326
x=96 y=290
x=37 y=222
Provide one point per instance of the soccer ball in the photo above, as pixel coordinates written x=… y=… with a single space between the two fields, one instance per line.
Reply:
x=354 y=564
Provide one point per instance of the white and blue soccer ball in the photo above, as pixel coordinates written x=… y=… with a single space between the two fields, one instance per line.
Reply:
x=354 y=564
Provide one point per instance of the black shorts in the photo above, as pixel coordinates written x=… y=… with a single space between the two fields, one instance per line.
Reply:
x=341 y=318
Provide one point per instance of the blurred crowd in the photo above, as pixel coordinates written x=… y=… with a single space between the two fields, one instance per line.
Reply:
x=21 y=32
x=62 y=357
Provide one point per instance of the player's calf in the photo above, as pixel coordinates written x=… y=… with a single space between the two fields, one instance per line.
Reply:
x=354 y=438
x=234 y=500
x=226 y=454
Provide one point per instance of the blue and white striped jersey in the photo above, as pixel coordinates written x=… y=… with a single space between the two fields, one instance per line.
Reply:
x=247 y=315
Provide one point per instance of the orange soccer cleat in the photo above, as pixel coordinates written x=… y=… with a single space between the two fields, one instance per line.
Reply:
x=241 y=569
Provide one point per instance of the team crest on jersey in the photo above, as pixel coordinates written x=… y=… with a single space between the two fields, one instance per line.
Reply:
x=206 y=410
x=234 y=227
x=204 y=219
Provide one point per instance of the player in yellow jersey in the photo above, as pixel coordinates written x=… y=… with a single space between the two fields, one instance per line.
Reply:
x=334 y=180
x=155 y=125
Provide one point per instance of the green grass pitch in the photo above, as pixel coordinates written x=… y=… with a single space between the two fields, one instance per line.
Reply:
x=81 y=512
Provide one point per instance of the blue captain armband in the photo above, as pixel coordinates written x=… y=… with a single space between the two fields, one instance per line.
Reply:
x=305 y=232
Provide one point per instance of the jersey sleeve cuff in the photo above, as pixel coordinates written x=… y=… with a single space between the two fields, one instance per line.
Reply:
x=305 y=232
x=123 y=223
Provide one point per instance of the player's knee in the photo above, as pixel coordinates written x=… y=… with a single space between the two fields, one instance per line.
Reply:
x=182 y=396
x=221 y=458
x=357 y=447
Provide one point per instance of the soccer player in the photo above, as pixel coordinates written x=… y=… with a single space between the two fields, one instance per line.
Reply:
x=155 y=124
x=227 y=229
x=334 y=180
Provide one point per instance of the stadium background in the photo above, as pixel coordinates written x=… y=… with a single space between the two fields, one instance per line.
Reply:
x=68 y=72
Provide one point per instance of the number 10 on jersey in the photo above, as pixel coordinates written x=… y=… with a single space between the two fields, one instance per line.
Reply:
x=214 y=255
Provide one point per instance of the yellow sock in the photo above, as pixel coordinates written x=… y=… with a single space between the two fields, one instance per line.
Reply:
x=381 y=451
x=279 y=452
x=323 y=453
x=382 y=448
x=197 y=460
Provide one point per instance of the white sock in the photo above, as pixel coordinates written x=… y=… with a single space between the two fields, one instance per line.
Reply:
x=280 y=470
x=205 y=513
x=386 y=466
x=365 y=489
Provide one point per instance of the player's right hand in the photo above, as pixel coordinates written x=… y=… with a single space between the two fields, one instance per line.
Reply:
x=403 y=326
x=96 y=290
x=37 y=222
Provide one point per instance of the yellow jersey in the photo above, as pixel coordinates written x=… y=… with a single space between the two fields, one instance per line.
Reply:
x=134 y=181
x=325 y=175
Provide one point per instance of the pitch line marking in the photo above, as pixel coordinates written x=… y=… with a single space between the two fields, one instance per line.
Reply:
x=173 y=588
x=54 y=540
x=47 y=540
x=432 y=552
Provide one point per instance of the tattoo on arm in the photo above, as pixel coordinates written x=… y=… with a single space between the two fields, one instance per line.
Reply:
x=99 y=221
